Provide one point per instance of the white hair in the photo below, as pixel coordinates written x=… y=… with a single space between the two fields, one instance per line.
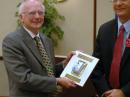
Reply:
x=22 y=5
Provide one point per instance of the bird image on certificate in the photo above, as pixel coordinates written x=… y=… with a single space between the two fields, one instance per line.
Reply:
x=79 y=68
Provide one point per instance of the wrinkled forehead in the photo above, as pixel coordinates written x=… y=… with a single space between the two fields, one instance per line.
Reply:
x=32 y=5
x=30 y=1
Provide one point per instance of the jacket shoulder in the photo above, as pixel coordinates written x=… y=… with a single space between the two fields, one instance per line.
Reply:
x=111 y=23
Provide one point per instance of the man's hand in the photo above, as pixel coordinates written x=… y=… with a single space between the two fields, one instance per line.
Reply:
x=65 y=82
x=114 y=93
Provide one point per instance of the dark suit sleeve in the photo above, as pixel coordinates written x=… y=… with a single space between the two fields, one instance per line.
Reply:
x=19 y=71
x=98 y=76
x=58 y=68
x=126 y=90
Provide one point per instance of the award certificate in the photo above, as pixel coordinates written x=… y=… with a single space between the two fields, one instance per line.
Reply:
x=79 y=68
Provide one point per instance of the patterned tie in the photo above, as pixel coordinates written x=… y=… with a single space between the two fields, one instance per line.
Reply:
x=115 y=66
x=47 y=63
x=45 y=58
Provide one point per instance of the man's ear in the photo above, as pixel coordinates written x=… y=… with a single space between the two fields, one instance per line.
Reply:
x=21 y=18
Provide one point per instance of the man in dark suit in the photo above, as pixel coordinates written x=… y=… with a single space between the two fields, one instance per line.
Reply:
x=106 y=43
x=27 y=73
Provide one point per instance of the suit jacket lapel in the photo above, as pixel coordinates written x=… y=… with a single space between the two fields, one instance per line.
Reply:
x=114 y=31
x=126 y=54
x=30 y=43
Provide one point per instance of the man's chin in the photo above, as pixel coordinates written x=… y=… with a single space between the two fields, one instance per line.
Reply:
x=121 y=14
x=37 y=27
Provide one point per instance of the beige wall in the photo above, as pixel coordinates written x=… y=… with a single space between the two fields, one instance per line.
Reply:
x=7 y=19
x=3 y=81
x=104 y=11
x=78 y=26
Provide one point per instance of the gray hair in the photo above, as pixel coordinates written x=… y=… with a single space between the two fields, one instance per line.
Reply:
x=22 y=5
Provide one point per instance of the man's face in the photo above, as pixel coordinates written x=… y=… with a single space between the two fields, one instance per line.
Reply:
x=122 y=8
x=33 y=16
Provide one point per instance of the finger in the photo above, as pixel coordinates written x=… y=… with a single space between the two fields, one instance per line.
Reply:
x=73 y=52
x=109 y=96
x=73 y=84
x=80 y=51
x=107 y=93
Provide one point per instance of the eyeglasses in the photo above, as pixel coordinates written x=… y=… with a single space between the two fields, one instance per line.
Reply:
x=114 y=1
x=33 y=13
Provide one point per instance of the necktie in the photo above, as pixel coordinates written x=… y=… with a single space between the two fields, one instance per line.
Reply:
x=117 y=54
x=44 y=55
x=47 y=63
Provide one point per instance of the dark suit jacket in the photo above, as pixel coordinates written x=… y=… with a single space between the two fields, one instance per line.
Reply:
x=26 y=72
x=104 y=51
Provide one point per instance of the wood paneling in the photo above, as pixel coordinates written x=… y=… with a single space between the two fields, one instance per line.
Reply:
x=1 y=58
x=3 y=96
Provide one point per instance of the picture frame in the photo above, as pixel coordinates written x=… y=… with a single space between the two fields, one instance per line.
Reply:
x=79 y=68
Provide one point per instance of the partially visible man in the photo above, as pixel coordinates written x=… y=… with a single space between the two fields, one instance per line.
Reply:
x=112 y=74
x=27 y=67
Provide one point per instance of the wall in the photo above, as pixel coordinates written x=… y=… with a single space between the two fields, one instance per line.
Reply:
x=104 y=12
x=78 y=26
x=7 y=18
x=3 y=81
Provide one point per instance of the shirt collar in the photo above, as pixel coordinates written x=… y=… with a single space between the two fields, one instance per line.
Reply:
x=126 y=25
x=31 y=33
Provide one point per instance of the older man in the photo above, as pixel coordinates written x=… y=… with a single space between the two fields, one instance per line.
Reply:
x=29 y=57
